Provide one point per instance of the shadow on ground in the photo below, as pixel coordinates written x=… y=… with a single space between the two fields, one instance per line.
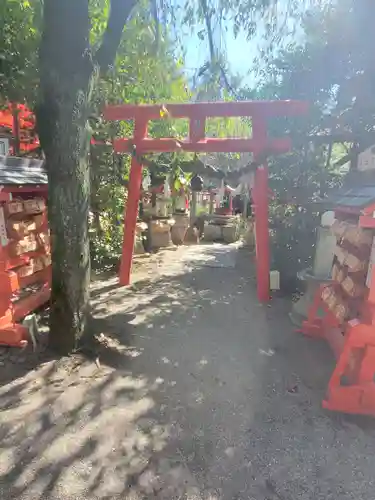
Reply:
x=200 y=394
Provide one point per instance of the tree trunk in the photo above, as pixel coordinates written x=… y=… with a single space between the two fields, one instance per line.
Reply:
x=67 y=75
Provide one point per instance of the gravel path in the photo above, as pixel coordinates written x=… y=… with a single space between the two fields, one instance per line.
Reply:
x=201 y=393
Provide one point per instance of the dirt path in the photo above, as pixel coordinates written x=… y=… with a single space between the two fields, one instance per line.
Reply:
x=201 y=394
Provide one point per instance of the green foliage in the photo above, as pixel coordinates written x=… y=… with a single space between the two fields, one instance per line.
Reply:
x=333 y=70
x=19 y=40
x=138 y=76
x=142 y=73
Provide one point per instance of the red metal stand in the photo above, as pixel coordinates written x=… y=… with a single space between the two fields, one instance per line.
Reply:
x=197 y=113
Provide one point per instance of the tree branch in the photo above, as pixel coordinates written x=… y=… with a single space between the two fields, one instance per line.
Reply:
x=119 y=14
x=155 y=15
x=207 y=19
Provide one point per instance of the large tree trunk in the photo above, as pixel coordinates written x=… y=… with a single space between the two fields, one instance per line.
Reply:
x=66 y=75
x=68 y=72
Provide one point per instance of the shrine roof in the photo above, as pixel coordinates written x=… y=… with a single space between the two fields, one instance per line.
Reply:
x=22 y=171
x=354 y=197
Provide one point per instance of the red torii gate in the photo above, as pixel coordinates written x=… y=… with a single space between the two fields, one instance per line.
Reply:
x=197 y=142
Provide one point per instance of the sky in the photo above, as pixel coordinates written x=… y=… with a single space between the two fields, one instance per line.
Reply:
x=240 y=54
x=239 y=51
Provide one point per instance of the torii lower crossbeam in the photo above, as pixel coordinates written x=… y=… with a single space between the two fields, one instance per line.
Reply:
x=197 y=113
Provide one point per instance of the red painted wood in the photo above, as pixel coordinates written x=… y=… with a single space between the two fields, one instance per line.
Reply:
x=235 y=145
x=197 y=113
x=30 y=188
x=32 y=302
x=261 y=212
x=367 y=222
x=131 y=209
x=262 y=234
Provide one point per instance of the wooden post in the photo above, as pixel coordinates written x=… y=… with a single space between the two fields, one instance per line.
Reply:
x=261 y=214
x=193 y=208
x=131 y=209
x=211 y=205
x=16 y=129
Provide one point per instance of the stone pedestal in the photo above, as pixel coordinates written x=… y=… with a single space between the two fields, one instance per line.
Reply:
x=300 y=308
x=324 y=252
x=140 y=228
x=179 y=229
x=222 y=228
x=313 y=278
x=193 y=208
x=212 y=232
x=250 y=234
x=191 y=236
x=230 y=233
x=160 y=233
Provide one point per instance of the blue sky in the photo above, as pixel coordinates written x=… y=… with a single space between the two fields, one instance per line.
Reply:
x=240 y=53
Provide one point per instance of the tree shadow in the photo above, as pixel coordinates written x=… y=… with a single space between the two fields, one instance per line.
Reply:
x=171 y=402
x=74 y=428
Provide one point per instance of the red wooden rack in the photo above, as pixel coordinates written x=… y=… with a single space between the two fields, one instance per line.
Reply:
x=349 y=304
x=25 y=261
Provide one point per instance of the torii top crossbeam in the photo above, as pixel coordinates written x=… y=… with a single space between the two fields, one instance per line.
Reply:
x=197 y=113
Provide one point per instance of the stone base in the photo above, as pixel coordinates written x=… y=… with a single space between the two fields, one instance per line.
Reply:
x=219 y=232
x=300 y=309
x=212 y=232
x=249 y=237
x=161 y=240
x=230 y=233
x=160 y=234
x=191 y=236
x=139 y=249
x=140 y=228
x=178 y=231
